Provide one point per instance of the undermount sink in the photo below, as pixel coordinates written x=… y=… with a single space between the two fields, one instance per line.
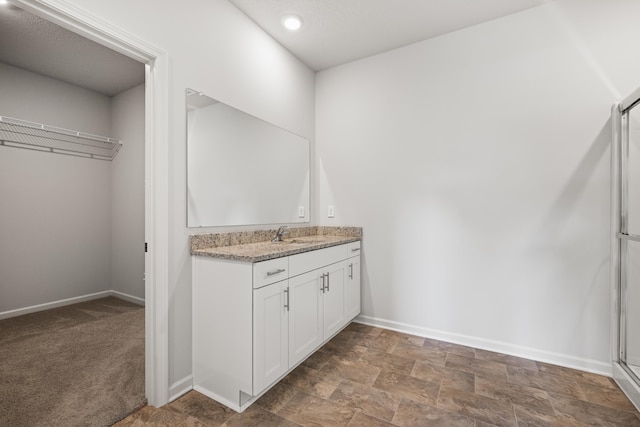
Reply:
x=299 y=242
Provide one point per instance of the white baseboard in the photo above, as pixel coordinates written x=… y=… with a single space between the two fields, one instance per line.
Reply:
x=69 y=301
x=127 y=297
x=588 y=365
x=54 y=304
x=180 y=387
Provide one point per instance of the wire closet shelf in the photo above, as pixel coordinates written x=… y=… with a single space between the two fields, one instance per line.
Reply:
x=35 y=136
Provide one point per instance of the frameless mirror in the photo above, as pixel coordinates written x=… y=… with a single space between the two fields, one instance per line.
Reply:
x=242 y=170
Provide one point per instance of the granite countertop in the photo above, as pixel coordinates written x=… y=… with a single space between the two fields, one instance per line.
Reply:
x=256 y=245
x=265 y=250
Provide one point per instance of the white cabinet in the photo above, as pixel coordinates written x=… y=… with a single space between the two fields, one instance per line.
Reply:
x=223 y=330
x=254 y=323
x=352 y=285
x=317 y=309
x=305 y=327
x=334 y=313
x=270 y=334
x=270 y=271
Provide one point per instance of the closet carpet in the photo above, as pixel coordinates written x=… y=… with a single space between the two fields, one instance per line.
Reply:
x=79 y=365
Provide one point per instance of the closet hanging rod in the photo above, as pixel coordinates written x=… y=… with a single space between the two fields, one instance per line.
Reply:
x=25 y=134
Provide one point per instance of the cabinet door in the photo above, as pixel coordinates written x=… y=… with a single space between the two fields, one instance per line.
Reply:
x=352 y=291
x=305 y=317
x=334 y=298
x=270 y=334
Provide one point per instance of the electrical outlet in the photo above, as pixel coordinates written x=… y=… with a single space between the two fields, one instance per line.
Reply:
x=331 y=211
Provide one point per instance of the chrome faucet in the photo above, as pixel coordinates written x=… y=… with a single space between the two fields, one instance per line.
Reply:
x=282 y=231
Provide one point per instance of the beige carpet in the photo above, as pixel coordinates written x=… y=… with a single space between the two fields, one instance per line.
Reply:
x=80 y=365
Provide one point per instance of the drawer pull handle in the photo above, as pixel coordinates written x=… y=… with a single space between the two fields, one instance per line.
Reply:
x=274 y=272
x=324 y=286
x=286 y=291
x=327 y=282
x=351 y=271
x=355 y=249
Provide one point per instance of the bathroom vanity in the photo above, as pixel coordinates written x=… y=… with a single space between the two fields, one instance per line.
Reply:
x=262 y=308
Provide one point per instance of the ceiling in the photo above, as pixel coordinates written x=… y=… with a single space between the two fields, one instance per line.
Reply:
x=33 y=44
x=339 y=31
x=334 y=32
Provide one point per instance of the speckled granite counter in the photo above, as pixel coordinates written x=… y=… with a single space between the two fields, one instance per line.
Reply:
x=255 y=246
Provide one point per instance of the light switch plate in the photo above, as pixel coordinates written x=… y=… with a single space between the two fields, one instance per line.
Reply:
x=331 y=211
x=300 y=211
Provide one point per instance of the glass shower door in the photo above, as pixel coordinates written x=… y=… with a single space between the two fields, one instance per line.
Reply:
x=629 y=241
x=630 y=348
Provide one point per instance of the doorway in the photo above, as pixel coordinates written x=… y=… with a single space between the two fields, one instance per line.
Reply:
x=156 y=176
x=626 y=244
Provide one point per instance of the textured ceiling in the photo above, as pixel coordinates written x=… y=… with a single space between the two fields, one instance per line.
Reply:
x=33 y=44
x=339 y=31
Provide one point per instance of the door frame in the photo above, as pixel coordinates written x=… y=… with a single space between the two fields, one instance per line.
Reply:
x=156 y=175
x=620 y=374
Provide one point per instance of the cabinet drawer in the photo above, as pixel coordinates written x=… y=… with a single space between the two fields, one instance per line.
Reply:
x=307 y=261
x=353 y=249
x=270 y=271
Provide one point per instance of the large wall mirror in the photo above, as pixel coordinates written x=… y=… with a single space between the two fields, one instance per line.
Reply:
x=242 y=170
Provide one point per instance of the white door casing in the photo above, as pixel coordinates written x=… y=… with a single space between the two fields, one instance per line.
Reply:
x=156 y=176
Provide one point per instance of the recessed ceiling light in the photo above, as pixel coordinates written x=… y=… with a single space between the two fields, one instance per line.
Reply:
x=4 y=2
x=292 y=22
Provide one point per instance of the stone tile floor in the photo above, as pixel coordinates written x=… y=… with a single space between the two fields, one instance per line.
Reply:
x=372 y=377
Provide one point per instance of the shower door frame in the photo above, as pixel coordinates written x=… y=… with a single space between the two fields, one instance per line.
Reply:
x=619 y=157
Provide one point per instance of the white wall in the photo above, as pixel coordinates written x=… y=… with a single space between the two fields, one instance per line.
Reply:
x=54 y=226
x=478 y=164
x=127 y=193
x=213 y=48
x=30 y=96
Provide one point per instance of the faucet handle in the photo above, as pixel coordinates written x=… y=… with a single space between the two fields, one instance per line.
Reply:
x=282 y=231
